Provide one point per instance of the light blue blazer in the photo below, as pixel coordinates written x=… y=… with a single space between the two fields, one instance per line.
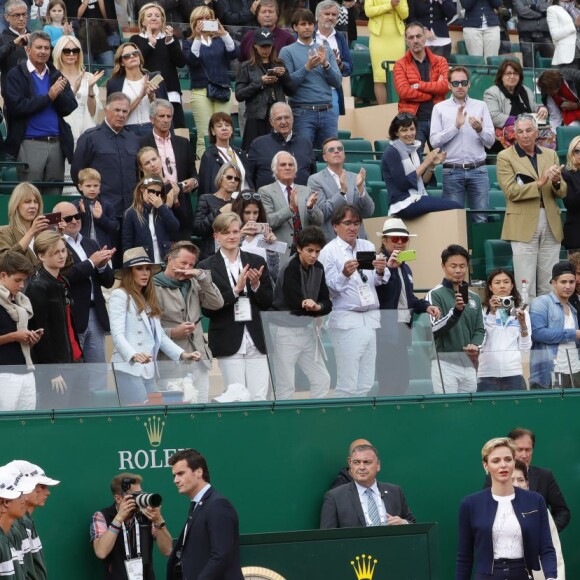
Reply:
x=132 y=333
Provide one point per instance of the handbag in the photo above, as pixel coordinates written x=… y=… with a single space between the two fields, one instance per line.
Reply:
x=218 y=92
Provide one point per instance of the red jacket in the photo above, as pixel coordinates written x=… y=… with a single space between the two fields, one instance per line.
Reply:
x=407 y=74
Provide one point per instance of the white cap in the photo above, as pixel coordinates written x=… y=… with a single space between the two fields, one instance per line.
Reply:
x=13 y=484
x=32 y=472
x=234 y=393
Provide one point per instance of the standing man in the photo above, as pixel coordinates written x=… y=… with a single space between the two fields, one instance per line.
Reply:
x=335 y=187
x=355 y=314
x=531 y=178
x=14 y=39
x=282 y=138
x=462 y=128
x=209 y=544
x=314 y=71
x=111 y=150
x=459 y=331
x=420 y=79
x=37 y=99
x=181 y=292
x=178 y=163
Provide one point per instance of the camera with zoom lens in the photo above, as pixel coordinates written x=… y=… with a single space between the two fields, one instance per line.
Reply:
x=506 y=302
x=142 y=500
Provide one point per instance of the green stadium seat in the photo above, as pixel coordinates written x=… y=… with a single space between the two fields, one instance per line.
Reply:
x=495 y=61
x=344 y=134
x=461 y=47
x=498 y=254
x=496 y=198
x=380 y=146
x=467 y=59
x=563 y=137
x=480 y=82
x=357 y=149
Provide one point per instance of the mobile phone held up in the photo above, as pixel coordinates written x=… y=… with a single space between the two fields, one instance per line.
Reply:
x=464 y=291
x=365 y=260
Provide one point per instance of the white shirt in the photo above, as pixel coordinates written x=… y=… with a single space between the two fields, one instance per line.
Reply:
x=378 y=501
x=506 y=531
x=140 y=114
x=567 y=356
x=156 y=253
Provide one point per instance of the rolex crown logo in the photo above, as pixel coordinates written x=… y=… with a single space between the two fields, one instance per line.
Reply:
x=154 y=427
x=364 y=567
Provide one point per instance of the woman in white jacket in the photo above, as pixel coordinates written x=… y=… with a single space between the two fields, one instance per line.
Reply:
x=136 y=329
x=563 y=31
x=508 y=331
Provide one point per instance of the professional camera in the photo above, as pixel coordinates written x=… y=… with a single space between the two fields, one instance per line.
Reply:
x=142 y=500
x=507 y=302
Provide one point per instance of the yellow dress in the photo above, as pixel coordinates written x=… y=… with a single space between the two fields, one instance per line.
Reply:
x=386 y=33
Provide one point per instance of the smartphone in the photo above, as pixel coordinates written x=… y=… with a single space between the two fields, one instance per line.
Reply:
x=210 y=26
x=156 y=80
x=406 y=256
x=365 y=260
x=261 y=227
x=464 y=291
x=53 y=218
x=271 y=72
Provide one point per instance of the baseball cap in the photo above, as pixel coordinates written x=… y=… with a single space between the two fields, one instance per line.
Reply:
x=32 y=472
x=563 y=268
x=263 y=37
x=13 y=484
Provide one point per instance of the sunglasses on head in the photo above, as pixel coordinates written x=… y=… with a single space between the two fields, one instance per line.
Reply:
x=71 y=51
x=405 y=116
x=338 y=148
x=232 y=178
x=154 y=191
x=69 y=218
x=399 y=239
x=247 y=196
x=459 y=83
x=131 y=54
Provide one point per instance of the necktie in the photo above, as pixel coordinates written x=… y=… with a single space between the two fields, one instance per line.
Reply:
x=296 y=222
x=92 y=232
x=372 y=508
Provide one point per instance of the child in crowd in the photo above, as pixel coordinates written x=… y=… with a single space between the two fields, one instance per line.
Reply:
x=57 y=24
x=97 y=217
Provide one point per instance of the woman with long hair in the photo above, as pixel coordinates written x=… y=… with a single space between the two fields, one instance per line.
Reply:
x=136 y=329
x=571 y=175
x=508 y=331
x=262 y=81
x=25 y=221
x=149 y=220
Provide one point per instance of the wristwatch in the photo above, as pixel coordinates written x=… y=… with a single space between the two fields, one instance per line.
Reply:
x=159 y=526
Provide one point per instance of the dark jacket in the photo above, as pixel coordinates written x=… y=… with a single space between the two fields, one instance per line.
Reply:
x=571 y=239
x=532 y=16
x=476 y=515
x=342 y=477
x=175 y=10
x=106 y=227
x=136 y=233
x=208 y=208
x=257 y=95
x=211 y=162
x=10 y=55
x=48 y=297
x=21 y=102
x=225 y=335
x=115 y=85
x=85 y=279
x=433 y=15
x=475 y=10
x=263 y=150
x=235 y=12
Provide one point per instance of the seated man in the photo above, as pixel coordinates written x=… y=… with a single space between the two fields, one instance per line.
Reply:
x=365 y=502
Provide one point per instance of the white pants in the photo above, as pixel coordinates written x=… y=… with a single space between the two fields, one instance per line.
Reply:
x=482 y=41
x=533 y=260
x=17 y=392
x=297 y=346
x=458 y=376
x=250 y=369
x=355 y=350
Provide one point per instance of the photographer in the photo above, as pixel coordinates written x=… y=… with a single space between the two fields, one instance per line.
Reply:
x=122 y=533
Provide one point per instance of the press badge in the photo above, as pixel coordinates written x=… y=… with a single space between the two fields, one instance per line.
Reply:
x=365 y=294
x=134 y=568
x=243 y=310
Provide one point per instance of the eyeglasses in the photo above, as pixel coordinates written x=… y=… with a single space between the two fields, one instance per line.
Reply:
x=405 y=116
x=154 y=191
x=338 y=149
x=168 y=165
x=511 y=73
x=399 y=239
x=18 y=15
x=131 y=54
x=247 y=196
x=349 y=223
x=459 y=83
x=70 y=51
x=69 y=218
x=232 y=178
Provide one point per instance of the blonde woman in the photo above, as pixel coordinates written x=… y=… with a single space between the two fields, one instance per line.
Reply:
x=208 y=55
x=571 y=175
x=25 y=221
x=161 y=53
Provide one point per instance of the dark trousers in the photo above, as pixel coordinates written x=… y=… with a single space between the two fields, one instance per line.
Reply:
x=514 y=383
x=506 y=570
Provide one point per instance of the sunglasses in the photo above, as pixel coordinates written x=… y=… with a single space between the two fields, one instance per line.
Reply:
x=168 y=165
x=247 y=196
x=131 y=54
x=154 y=191
x=232 y=178
x=338 y=148
x=69 y=218
x=459 y=83
x=70 y=51
x=405 y=116
x=399 y=239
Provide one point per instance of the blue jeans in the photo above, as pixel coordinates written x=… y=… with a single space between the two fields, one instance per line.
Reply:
x=423 y=130
x=474 y=183
x=513 y=383
x=427 y=204
x=315 y=126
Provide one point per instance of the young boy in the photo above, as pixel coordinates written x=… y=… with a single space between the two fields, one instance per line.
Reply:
x=300 y=289
x=97 y=217
x=17 y=385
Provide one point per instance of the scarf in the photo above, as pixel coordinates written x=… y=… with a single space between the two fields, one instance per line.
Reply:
x=164 y=282
x=411 y=161
x=520 y=103
x=20 y=311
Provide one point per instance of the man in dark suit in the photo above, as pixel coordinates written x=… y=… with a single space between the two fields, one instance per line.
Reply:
x=178 y=162
x=539 y=479
x=209 y=544
x=365 y=502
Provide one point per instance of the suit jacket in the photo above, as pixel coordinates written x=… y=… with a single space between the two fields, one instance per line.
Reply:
x=523 y=201
x=83 y=278
x=543 y=482
x=329 y=198
x=279 y=214
x=476 y=516
x=225 y=335
x=342 y=507
x=185 y=163
x=211 y=548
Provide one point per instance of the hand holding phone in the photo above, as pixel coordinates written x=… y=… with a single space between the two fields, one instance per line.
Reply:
x=53 y=218
x=464 y=291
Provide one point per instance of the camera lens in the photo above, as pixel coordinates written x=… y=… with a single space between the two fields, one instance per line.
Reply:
x=145 y=500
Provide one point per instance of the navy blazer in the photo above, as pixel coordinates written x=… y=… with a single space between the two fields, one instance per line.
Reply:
x=476 y=517
x=433 y=15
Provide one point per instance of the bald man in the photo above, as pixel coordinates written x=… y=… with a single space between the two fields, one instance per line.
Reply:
x=89 y=271
x=344 y=474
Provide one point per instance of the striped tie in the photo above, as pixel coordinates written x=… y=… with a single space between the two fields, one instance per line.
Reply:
x=372 y=508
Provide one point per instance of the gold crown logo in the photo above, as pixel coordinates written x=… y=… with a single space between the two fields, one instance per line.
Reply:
x=364 y=567
x=154 y=427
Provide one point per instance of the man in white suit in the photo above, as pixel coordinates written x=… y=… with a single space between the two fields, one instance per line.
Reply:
x=289 y=207
x=336 y=186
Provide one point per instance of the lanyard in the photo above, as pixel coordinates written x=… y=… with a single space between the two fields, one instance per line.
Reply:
x=137 y=539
